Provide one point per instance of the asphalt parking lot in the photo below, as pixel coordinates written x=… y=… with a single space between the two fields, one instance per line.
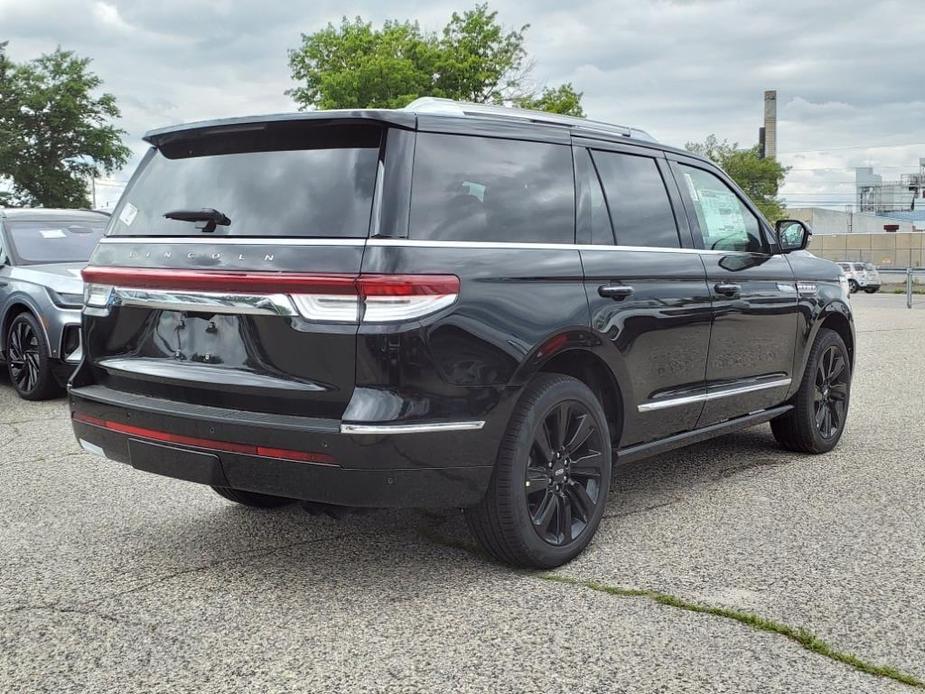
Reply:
x=115 y=580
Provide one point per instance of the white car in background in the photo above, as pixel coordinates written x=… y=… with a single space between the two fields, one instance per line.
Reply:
x=861 y=276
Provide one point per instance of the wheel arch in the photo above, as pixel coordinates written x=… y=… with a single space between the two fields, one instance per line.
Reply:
x=835 y=318
x=17 y=305
x=593 y=371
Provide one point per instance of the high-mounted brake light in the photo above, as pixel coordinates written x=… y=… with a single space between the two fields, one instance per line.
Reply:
x=321 y=297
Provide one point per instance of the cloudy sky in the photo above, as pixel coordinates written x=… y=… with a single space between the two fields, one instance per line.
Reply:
x=850 y=74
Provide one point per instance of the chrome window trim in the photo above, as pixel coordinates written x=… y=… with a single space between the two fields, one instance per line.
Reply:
x=409 y=428
x=714 y=395
x=234 y=241
x=409 y=243
x=421 y=243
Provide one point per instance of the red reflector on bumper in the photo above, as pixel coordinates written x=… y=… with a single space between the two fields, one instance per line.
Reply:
x=210 y=444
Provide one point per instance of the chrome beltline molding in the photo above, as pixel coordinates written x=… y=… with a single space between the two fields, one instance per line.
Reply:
x=715 y=395
x=410 y=428
x=232 y=241
x=402 y=243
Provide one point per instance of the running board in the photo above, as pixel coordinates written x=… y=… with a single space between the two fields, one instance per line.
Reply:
x=645 y=450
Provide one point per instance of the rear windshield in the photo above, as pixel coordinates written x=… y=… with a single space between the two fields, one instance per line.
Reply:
x=291 y=179
x=58 y=241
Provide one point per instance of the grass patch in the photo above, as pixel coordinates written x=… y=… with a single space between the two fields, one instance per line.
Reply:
x=804 y=638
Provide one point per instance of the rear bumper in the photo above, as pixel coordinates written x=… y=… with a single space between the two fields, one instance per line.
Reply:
x=372 y=468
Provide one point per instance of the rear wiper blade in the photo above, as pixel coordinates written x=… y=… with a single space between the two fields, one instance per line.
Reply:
x=207 y=218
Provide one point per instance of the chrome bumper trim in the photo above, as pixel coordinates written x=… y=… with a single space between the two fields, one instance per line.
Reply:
x=213 y=302
x=715 y=395
x=409 y=428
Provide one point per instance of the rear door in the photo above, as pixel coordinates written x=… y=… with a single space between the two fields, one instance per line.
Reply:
x=499 y=213
x=258 y=311
x=645 y=285
x=754 y=297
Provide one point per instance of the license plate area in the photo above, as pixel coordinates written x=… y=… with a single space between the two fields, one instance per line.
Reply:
x=180 y=463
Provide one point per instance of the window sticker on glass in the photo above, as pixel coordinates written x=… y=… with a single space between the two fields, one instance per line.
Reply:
x=476 y=190
x=691 y=187
x=722 y=213
x=52 y=233
x=128 y=214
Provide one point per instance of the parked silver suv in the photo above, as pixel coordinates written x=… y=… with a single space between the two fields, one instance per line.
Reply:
x=861 y=276
x=41 y=294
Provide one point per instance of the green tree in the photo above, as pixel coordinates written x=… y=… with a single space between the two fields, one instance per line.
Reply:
x=760 y=178
x=54 y=132
x=474 y=58
x=562 y=99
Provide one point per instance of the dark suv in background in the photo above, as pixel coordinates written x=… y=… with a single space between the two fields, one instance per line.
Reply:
x=446 y=305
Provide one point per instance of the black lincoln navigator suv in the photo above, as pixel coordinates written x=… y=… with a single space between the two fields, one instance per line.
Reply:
x=448 y=305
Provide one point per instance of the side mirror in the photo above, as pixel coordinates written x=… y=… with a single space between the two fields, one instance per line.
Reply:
x=792 y=235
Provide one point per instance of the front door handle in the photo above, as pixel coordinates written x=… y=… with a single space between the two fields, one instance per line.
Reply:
x=615 y=291
x=727 y=288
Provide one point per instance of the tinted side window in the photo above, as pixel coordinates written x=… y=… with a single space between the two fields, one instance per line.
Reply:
x=638 y=200
x=485 y=189
x=725 y=222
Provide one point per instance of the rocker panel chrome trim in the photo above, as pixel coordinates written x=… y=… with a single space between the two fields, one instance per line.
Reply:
x=714 y=395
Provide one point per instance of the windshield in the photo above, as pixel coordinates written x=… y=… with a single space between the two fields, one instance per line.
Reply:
x=288 y=179
x=58 y=241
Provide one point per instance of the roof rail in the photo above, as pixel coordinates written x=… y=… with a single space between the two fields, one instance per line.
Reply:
x=448 y=107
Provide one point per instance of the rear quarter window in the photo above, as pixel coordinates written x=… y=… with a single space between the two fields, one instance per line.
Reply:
x=293 y=179
x=485 y=189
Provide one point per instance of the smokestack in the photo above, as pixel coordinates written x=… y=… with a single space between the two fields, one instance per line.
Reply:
x=770 y=124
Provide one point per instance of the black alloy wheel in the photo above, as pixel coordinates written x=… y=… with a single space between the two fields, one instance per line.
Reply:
x=23 y=355
x=820 y=406
x=831 y=393
x=551 y=479
x=27 y=360
x=563 y=475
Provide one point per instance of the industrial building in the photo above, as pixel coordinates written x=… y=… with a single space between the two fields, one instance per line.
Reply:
x=902 y=199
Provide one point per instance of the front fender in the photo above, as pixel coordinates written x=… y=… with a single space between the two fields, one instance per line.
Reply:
x=830 y=309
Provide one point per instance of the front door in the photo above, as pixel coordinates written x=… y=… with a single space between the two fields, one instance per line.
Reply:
x=754 y=297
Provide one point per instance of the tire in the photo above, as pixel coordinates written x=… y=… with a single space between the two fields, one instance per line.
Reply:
x=853 y=286
x=807 y=428
x=570 y=481
x=27 y=360
x=252 y=499
x=872 y=290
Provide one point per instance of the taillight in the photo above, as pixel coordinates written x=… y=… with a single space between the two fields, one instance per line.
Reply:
x=326 y=298
x=401 y=297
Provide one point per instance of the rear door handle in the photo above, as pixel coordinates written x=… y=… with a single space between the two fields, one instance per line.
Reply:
x=615 y=291
x=727 y=288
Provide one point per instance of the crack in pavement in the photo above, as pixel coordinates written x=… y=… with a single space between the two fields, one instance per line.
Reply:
x=43 y=459
x=645 y=509
x=52 y=607
x=801 y=636
x=247 y=554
